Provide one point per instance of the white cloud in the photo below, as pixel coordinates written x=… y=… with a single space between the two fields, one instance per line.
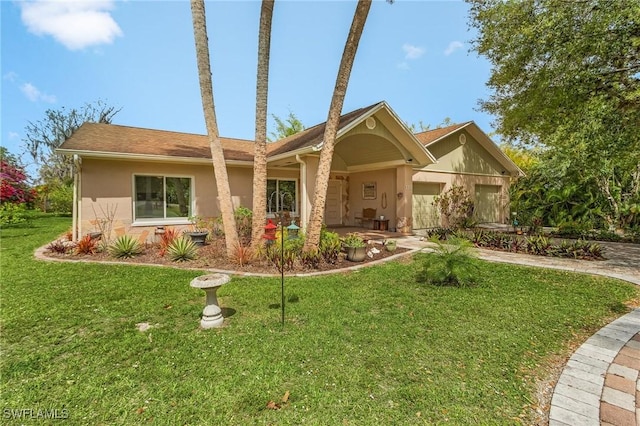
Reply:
x=403 y=66
x=75 y=24
x=453 y=46
x=13 y=135
x=412 y=52
x=34 y=94
x=11 y=76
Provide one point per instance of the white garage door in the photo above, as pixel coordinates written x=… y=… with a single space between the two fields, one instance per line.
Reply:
x=488 y=203
x=424 y=212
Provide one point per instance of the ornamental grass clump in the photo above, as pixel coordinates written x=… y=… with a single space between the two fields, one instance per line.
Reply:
x=182 y=249
x=124 y=247
x=451 y=264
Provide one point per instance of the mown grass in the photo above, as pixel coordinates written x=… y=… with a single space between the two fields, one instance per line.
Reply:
x=370 y=347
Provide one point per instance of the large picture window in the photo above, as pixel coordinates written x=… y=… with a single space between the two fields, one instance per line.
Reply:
x=281 y=195
x=162 y=197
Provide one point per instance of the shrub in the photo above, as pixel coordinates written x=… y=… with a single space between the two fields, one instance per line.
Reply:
x=60 y=198
x=182 y=249
x=311 y=259
x=579 y=249
x=87 y=245
x=455 y=207
x=538 y=245
x=57 y=246
x=125 y=246
x=329 y=247
x=12 y=214
x=451 y=264
x=243 y=218
x=442 y=234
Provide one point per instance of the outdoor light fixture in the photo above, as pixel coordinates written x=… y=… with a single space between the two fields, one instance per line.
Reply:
x=293 y=230
x=270 y=231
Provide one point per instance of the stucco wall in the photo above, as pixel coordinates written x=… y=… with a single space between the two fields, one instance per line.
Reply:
x=107 y=187
x=385 y=184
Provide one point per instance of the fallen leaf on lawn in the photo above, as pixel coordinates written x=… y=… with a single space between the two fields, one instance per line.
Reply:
x=285 y=398
x=141 y=410
x=272 y=405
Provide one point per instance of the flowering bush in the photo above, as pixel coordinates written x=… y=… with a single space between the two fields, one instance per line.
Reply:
x=13 y=184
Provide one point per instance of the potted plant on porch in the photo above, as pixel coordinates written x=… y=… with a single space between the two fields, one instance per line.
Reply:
x=356 y=247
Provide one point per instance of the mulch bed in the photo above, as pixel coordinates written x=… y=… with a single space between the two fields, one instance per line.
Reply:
x=212 y=256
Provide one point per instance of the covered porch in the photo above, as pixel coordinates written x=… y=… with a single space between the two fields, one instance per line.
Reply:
x=370 y=184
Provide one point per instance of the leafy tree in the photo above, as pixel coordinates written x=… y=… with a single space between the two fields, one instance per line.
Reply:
x=418 y=128
x=421 y=127
x=565 y=76
x=45 y=136
x=524 y=158
x=287 y=127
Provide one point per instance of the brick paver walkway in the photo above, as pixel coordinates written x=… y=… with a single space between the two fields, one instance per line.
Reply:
x=599 y=383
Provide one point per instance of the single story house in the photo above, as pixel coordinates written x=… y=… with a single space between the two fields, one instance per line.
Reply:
x=145 y=178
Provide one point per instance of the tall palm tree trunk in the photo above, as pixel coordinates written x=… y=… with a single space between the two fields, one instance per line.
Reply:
x=217 y=155
x=260 y=154
x=331 y=129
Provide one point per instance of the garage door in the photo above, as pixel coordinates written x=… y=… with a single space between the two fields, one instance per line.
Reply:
x=488 y=203
x=424 y=212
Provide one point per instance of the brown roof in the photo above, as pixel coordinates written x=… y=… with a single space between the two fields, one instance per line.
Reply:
x=116 y=139
x=111 y=138
x=430 y=136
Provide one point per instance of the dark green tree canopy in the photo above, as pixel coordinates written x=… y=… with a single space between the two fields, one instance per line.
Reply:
x=566 y=80
x=563 y=70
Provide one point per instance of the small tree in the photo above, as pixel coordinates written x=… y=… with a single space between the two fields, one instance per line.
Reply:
x=455 y=207
x=287 y=127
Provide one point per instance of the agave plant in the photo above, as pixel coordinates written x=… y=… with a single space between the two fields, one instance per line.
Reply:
x=182 y=249
x=125 y=246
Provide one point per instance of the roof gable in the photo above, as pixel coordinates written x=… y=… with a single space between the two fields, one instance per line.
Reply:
x=497 y=160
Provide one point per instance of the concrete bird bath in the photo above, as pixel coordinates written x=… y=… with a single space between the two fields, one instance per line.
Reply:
x=212 y=314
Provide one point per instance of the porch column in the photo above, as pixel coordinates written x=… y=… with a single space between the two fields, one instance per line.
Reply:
x=308 y=173
x=404 y=197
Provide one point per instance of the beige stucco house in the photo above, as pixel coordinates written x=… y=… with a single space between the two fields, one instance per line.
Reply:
x=149 y=178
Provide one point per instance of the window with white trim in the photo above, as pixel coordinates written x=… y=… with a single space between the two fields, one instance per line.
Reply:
x=282 y=195
x=162 y=197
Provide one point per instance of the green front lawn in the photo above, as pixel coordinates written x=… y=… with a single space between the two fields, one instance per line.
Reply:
x=370 y=347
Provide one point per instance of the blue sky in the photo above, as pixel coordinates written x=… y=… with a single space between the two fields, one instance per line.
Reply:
x=140 y=56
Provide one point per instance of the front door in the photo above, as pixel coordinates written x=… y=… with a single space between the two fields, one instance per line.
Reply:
x=333 y=206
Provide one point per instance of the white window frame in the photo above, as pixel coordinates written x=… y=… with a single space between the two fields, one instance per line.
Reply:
x=165 y=220
x=294 y=213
